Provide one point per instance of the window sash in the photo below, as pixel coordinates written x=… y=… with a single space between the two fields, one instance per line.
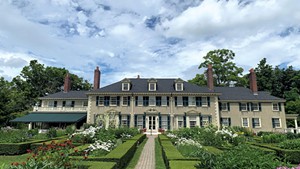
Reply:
x=124 y=101
x=140 y=101
x=256 y=122
x=204 y=101
x=125 y=86
x=192 y=118
x=245 y=122
x=101 y=101
x=192 y=101
x=276 y=123
x=255 y=107
x=140 y=121
x=152 y=86
x=85 y=103
x=224 y=107
x=152 y=101
x=275 y=107
x=68 y=103
x=225 y=121
x=244 y=107
x=179 y=86
x=113 y=101
x=179 y=101
x=164 y=101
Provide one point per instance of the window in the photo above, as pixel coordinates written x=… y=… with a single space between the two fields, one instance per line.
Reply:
x=243 y=107
x=106 y=100
x=152 y=86
x=113 y=101
x=165 y=101
x=180 y=121
x=254 y=106
x=276 y=122
x=85 y=103
x=158 y=100
x=225 y=121
x=139 y=100
x=52 y=104
x=224 y=107
x=205 y=121
x=178 y=101
x=204 y=101
x=245 y=122
x=193 y=121
x=179 y=87
x=275 y=107
x=152 y=101
x=256 y=122
x=198 y=102
x=69 y=103
x=126 y=101
x=164 y=122
x=145 y=101
x=101 y=101
x=192 y=101
x=124 y=120
x=140 y=121
x=125 y=86
x=185 y=101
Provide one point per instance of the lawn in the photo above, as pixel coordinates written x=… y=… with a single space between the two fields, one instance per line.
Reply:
x=9 y=159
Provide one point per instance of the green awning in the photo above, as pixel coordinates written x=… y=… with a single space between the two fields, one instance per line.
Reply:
x=52 y=117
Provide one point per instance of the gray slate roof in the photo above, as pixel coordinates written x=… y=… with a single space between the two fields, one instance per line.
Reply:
x=163 y=86
x=242 y=93
x=67 y=95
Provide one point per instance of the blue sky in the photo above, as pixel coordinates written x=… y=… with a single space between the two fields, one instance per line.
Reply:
x=150 y=38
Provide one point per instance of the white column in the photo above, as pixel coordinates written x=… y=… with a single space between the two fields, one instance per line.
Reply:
x=30 y=126
x=132 y=103
x=188 y=121
x=296 y=124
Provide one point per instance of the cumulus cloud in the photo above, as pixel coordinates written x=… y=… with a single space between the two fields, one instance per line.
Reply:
x=149 y=38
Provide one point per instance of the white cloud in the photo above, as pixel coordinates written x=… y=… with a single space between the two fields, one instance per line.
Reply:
x=79 y=35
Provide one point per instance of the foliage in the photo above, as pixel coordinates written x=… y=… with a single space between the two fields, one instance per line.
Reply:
x=224 y=69
x=199 y=80
x=70 y=129
x=290 y=144
x=137 y=155
x=51 y=133
x=13 y=136
x=242 y=156
x=273 y=138
x=179 y=164
x=159 y=163
x=54 y=155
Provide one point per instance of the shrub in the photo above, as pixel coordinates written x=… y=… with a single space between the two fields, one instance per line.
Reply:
x=183 y=164
x=33 y=132
x=51 y=133
x=290 y=144
x=292 y=135
x=243 y=156
x=70 y=129
x=13 y=136
x=273 y=138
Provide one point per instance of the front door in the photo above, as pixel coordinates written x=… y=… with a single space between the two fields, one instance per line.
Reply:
x=152 y=123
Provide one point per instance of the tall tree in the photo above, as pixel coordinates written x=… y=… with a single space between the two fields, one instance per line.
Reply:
x=199 y=80
x=225 y=70
x=265 y=77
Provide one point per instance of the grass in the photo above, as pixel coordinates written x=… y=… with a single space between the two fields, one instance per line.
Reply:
x=9 y=159
x=137 y=155
x=159 y=162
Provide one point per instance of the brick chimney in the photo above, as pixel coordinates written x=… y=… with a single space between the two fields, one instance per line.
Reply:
x=253 y=82
x=97 y=78
x=210 y=78
x=67 y=83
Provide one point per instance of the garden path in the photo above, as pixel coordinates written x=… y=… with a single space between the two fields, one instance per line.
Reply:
x=147 y=158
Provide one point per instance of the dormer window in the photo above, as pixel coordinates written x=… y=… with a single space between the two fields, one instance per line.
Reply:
x=178 y=84
x=125 y=84
x=152 y=86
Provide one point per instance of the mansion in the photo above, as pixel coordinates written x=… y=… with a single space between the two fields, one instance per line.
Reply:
x=156 y=104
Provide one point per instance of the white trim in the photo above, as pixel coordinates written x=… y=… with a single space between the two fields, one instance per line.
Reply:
x=273 y=106
x=259 y=119
x=245 y=106
x=192 y=101
x=180 y=85
x=152 y=99
x=222 y=107
x=123 y=100
x=154 y=86
x=243 y=121
x=280 y=126
x=257 y=106
x=123 y=86
x=179 y=100
x=206 y=101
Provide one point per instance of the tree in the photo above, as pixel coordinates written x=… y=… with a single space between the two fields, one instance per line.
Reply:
x=265 y=76
x=199 y=80
x=225 y=70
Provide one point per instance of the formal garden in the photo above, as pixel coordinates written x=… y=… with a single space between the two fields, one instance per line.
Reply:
x=97 y=147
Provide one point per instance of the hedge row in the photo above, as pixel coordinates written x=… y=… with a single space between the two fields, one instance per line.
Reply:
x=98 y=165
x=182 y=164
x=21 y=148
x=56 y=140
x=172 y=157
x=292 y=156
x=120 y=156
